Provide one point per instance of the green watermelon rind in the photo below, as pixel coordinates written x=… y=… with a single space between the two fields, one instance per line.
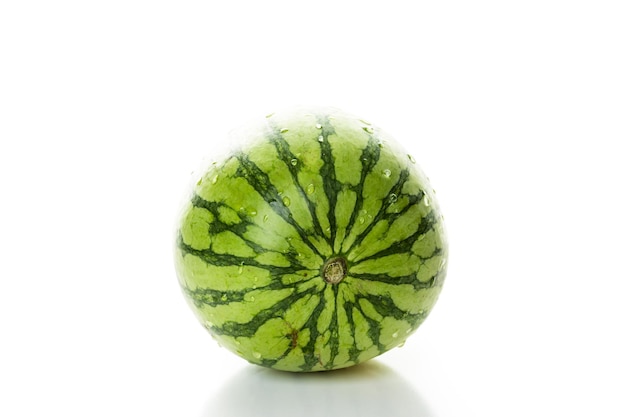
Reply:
x=306 y=187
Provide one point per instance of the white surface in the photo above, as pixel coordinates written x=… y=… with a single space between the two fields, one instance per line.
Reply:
x=516 y=110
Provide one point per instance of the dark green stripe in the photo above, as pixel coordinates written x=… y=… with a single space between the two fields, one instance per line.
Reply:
x=248 y=329
x=224 y=259
x=285 y=154
x=331 y=185
x=217 y=225
x=261 y=183
x=428 y=222
x=310 y=360
x=407 y=279
x=385 y=306
x=354 y=352
x=334 y=331
x=213 y=298
x=238 y=229
x=369 y=158
x=374 y=326
x=383 y=214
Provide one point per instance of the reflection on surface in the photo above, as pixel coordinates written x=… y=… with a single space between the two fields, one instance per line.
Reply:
x=369 y=389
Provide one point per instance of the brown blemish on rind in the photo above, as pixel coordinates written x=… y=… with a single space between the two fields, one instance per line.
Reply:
x=294 y=338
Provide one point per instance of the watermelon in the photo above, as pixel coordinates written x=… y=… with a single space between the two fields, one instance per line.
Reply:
x=315 y=244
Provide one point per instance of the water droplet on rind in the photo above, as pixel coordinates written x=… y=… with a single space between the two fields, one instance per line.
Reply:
x=214 y=180
x=411 y=158
x=294 y=162
x=392 y=198
x=286 y=201
x=320 y=138
x=224 y=297
x=394 y=335
x=318 y=126
x=387 y=173
x=310 y=189
x=368 y=129
x=265 y=218
x=257 y=355
x=284 y=130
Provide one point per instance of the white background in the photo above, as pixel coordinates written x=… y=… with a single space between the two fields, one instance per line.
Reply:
x=515 y=109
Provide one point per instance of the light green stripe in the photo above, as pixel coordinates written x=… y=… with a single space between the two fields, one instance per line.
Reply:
x=270 y=238
x=254 y=302
x=273 y=259
x=300 y=311
x=395 y=265
x=346 y=200
x=377 y=186
x=326 y=316
x=293 y=361
x=347 y=154
x=270 y=341
x=393 y=332
x=196 y=273
x=303 y=276
x=404 y=296
x=227 y=242
x=372 y=242
x=383 y=237
x=195 y=227
x=427 y=244
x=369 y=310
x=266 y=158
x=361 y=326
x=323 y=351
x=241 y=201
x=302 y=136
x=344 y=330
x=430 y=267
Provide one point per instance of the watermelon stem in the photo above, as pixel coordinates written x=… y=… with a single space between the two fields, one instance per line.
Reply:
x=335 y=270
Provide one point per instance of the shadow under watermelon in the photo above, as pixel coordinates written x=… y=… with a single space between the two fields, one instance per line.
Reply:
x=369 y=389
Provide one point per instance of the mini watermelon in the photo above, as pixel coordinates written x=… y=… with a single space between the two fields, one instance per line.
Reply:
x=316 y=244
